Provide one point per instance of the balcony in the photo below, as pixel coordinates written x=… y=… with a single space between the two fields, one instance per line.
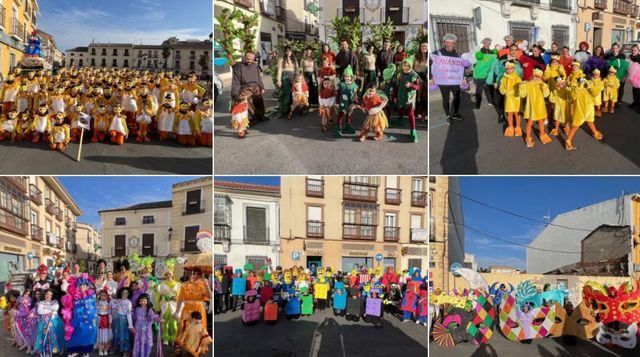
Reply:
x=60 y=244
x=50 y=207
x=314 y=187
x=600 y=4
x=18 y=181
x=358 y=231
x=562 y=5
x=311 y=29
x=245 y=3
x=315 y=229
x=354 y=13
x=418 y=235
x=221 y=232
x=71 y=247
x=281 y=13
x=36 y=232
x=52 y=240
x=398 y=15
x=67 y=221
x=13 y=222
x=256 y=235
x=16 y=31
x=621 y=7
x=419 y=199
x=391 y=234
x=2 y=23
x=58 y=214
x=528 y=3
x=392 y=196
x=193 y=208
x=35 y=194
x=360 y=191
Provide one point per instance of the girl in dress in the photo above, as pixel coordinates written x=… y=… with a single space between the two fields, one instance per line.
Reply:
x=143 y=318
x=105 y=335
x=300 y=92
x=373 y=104
x=327 y=99
x=121 y=321
x=83 y=334
x=23 y=323
x=50 y=330
x=240 y=115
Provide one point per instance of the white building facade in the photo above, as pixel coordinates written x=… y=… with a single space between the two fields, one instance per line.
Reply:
x=246 y=224
x=473 y=20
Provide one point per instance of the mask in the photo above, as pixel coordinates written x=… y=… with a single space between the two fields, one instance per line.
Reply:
x=480 y=328
x=451 y=330
x=626 y=338
x=581 y=323
x=519 y=325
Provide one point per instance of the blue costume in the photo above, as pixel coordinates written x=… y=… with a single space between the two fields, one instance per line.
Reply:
x=50 y=330
x=85 y=331
x=339 y=300
x=33 y=48
x=292 y=308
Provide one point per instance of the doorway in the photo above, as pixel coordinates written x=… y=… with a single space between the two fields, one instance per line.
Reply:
x=314 y=260
x=597 y=36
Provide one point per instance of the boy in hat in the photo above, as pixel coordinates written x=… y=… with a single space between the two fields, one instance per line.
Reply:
x=508 y=88
x=347 y=100
x=611 y=85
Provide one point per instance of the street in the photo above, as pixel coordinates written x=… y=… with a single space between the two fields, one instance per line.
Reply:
x=476 y=145
x=320 y=334
x=298 y=146
x=501 y=346
x=155 y=157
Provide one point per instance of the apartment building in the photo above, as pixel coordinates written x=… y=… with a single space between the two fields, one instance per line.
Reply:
x=353 y=221
x=246 y=224
x=88 y=246
x=604 y=22
x=50 y=52
x=18 y=19
x=301 y=21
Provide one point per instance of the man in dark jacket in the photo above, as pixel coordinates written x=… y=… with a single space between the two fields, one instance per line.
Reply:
x=451 y=109
x=384 y=58
x=246 y=79
x=344 y=58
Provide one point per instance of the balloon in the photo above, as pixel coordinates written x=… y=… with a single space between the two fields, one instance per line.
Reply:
x=634 y=74
x=464 y=85
x=466 y=63
x=433 y=87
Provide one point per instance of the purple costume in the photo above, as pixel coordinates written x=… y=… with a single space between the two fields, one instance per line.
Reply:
x=25 y=323
x=143 y=320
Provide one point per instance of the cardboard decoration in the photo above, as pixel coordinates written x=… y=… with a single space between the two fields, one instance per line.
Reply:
x=497 y=294
x=374 y=307
x=528 y=293
x=516 y=324
x=560 y=320
x=452 y=328
x=614 y=305
x=271 y=311
x=623 y=337
x=476 y=280
x=266 y=293
x=480 y=328
x=321 y=290
x=581 y=323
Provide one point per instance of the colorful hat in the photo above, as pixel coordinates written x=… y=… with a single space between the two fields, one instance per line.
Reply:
x=347 y=72
x=612 y=69
x=408 y=60
x=537 y=73
x=555 y=58
x=509 y=64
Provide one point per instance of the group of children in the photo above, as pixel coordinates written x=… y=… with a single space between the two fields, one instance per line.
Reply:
x=112 y=104
x=339 y=98
x=72 y=313
x=296 y=292
x=569 y=99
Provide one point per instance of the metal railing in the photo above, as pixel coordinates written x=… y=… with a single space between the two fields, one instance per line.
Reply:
x=18 y=181
x=221 y=232
x=314 y=187
x=621 y=7
x=58 y=214
x=2 y=23
x=560 y=5
x=36 y=232
x=256 y=234
x=392 y=196
x=16 y=29
x=146 y=220
x=13 y=222
x=50 y=207
x=193 y=208
x=246 y=3
x=359 y=192
x=392 y=234
x=315 y=229
x=358 y=231
x=600 y=4
x=526 y=2
x=419 y=198
x=35 y=194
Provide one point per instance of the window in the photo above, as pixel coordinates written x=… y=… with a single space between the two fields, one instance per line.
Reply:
x=155 y=63
x=126 y=63
x=148 y=244
x=193 y=204
x=93 y=51
x=560 y=35
x=315 y=224
x=460 y=26
x=115 y=63
x=115 y=51
x=80 y=64
x=177 y=64
x=520 y=30
x=190 y=233
x=416 y=221
x=126 y=52
x=140 y=53
x=255 y=230
x=120 y=248
x=47 y=226
x=314 y=186
x=414 y=263
x=104 y=51
x=359 y=221
x=257 y=261
x=34 y=218
x=222 y=210
x=148 y=219
x=177 y=55
x=104 y=62
x=219 y=260
x=192 y=65
x=350 y=263
x=93 y=62
x=386 y=262
x=120 y=221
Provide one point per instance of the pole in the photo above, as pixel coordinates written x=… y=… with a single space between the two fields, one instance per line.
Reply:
x=80 y=148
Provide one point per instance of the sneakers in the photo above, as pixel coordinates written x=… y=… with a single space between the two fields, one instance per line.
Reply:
x=414 y=135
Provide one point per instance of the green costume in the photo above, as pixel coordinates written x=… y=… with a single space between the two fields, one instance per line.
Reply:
x=621 y=66
x=284 y=99
x=406 y=96
x=347 y=97
x=483 y=65
x=307 y=302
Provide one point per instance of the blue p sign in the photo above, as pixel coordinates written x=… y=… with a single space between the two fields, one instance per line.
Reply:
x=379 y=257
x=295 y=255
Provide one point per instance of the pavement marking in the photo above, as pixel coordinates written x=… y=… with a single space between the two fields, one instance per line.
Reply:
x=315 y=342
x=344 y=351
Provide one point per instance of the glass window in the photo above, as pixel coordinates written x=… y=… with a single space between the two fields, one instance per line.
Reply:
x=388 y=262
x=349 y=263
x=416 y=221
x=6 y=262
x=414 y=263
x=390 y=219
x=314 y=213
x=349 y=215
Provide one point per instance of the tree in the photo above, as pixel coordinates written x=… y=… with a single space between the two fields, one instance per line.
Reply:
x=380 y=33
x=204 y=63
x=414 y=45
x=345 y=29
x=166 y=52
x=235 y=25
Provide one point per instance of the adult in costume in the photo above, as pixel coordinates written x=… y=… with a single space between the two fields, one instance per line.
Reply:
x=192 y=297
x=246 y=78
x=50 y=330
x=83 y=326
x=167 y=297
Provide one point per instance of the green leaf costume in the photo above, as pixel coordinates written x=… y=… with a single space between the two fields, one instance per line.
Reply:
x=406 y=95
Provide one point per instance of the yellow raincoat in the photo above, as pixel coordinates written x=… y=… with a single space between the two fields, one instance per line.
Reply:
x=611 y=85
x=534 y=91
x=560 y=97
x=509 y=88
x=583 y=103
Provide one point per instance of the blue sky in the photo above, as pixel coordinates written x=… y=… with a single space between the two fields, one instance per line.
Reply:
x=94 y=193
x=76 y=22
x=533 y=197
x=258 y=180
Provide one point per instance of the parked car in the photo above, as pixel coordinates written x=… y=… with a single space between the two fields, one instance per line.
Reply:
x=626 y=48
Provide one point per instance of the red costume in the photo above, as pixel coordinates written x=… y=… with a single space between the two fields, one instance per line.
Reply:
x=330 y=56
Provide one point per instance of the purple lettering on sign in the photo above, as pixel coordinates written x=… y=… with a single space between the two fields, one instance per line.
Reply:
x=447 y=70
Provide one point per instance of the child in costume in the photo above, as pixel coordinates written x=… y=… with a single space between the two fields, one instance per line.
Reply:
x=271 y=312
x=191 y=91
x=50 y=330
x=373 y=310
x=194 y=337
x=58 y=101
x=583 y=110
x=240 y=115
x=76 y=116
x=598 y=88
x=184 y=125
x=41 y=124
x=118 y=130
x=327 y=101
x=24 y=324
x=373 y=104
x=408 y=82
x=84 y=333
x=327 y=72
x=105 y=335
x=292 y=307
x=251 y=308
x=60 y=133
x=167 y=296
x=560 y=97
x=24 y=99
x=508 y=88
x=143 y=319
x=535 y=91
x=321 y=290
x=347 y=100
x=147 y=108
x=204 y=120
x=409 y=303
x=128 y=101
x=611 y=85
x=166 y=117
x=122 y=322
x=300 y=94
x=101 y=123
x=8 y=125
x=307 y=301
x=354 y=305
x=422 y=308
x=10 y=89
x=339 y=299
x=238 y=288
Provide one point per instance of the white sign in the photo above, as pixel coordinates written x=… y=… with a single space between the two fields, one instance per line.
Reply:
x=84 y=121
x=419 y=235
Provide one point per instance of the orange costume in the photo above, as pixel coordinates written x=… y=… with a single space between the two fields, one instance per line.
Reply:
x=192 y=296
x=376 y=119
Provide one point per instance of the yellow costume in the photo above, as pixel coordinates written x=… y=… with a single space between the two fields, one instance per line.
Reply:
x=611 y=85
x=552 y=72
x=582 y=104
x=597 y=88
x=509 y=88
x=192 y=296
x=194 y=337
x=534 y=92
x=560 y=97
x=574 y=77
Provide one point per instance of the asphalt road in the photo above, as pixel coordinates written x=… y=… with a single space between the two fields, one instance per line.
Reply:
x=320 y=334
x=477 y=145
x=547 y=347
x=153 y=158
x=298 y=146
